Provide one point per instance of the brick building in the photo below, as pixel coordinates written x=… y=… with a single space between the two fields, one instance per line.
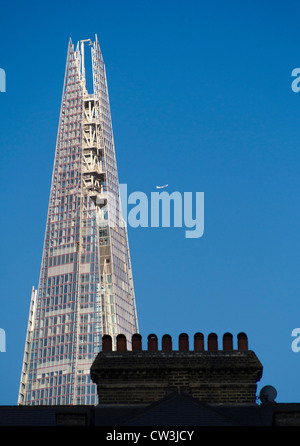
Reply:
x=191 y=386
x=201 y=383
x=145 y=376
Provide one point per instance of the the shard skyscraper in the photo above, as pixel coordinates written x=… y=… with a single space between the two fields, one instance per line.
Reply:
x=85 y=288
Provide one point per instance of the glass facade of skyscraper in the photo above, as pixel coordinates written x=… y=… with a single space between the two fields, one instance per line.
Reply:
x=85 y=288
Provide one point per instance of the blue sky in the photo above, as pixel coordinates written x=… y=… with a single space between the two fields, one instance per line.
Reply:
x=201 y=100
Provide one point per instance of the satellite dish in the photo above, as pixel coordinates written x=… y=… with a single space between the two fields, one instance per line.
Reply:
x=268 y=394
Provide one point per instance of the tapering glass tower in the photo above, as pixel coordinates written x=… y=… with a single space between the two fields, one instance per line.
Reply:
x=85 y=288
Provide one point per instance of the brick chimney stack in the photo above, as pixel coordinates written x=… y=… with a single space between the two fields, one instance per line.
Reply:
x=140 y=376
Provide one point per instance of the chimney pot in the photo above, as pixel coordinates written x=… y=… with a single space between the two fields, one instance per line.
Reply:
x=106 y=343
x=121 y=343
x=227 y=341
x=242 y=341
x=183 y=342
x=152 y=342
x=166 y=342
x=198 y=342
x=136 y=341
x=212 y=341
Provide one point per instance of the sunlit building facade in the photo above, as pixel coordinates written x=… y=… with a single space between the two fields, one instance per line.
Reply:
x=85 y=288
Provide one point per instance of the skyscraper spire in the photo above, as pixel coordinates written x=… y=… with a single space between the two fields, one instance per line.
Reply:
x=85 y=288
